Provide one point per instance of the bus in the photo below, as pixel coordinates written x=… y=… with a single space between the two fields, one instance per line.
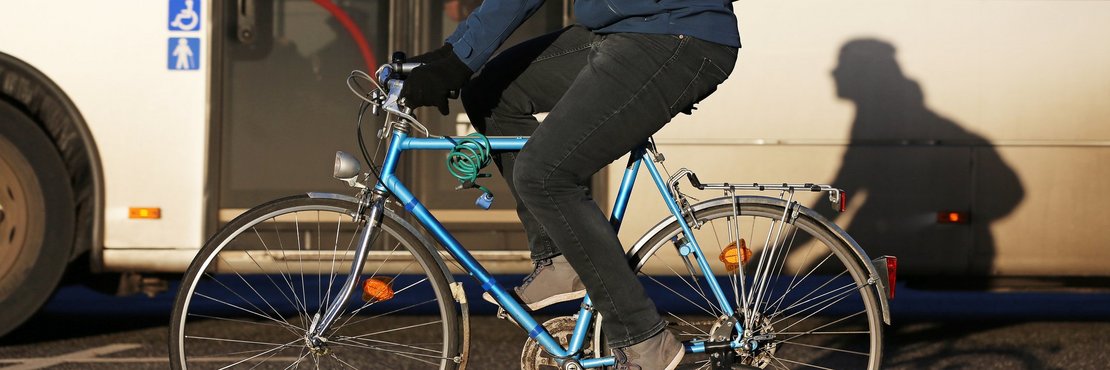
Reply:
x=971 y=136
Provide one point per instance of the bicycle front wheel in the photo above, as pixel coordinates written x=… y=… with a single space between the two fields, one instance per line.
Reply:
x=797 y=287
x=258 y=286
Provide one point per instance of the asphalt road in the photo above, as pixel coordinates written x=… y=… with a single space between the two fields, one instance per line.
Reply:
x=80 y=329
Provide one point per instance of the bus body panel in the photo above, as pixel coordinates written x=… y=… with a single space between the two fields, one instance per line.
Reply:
x=149 y=122
x=996 y=108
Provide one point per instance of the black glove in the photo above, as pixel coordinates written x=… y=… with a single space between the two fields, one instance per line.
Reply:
x=431 y=56
x=431 y=83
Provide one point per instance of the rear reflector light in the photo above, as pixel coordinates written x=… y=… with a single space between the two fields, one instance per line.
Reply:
x=887 y=269
x=891 y=273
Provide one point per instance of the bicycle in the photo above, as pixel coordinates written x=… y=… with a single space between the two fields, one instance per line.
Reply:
x=768 y=303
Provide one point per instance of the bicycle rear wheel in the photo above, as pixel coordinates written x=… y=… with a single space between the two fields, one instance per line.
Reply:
x=803 y=289
x=257 y=286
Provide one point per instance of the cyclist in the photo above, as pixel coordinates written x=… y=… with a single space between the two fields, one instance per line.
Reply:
x=608 y=83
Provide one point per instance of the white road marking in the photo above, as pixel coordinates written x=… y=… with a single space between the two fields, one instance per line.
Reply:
x=89 y=356
x=43 y=362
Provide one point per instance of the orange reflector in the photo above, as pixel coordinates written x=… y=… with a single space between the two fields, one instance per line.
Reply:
x=147 y=213
x=733 y=256
x=377 y=289
x=952 y=217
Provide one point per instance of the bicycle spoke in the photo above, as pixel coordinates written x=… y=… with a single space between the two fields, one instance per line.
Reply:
x=858 y=353
x=710 y=313
x=410 y=355
x=300 y=260
x=822 y=326
x=794 y=281
x=239 y=321
x=289 y=283
x=394 y=329
x=302 y=304
x=256 y=356
x=697 y=290
x=256 y=293
x=840 y=293
x=782 y=263
x=790 y=288
x=841 y=298
x=335 y=252
x=703 y=332
x=379 y=343
x=803 y=364
x=297 y=364
x=263 y=360
x=388 y=313
x=240 y=341
x=247 y=311
x=343 y=362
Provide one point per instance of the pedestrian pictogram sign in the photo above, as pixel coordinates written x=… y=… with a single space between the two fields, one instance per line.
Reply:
x=184 y=53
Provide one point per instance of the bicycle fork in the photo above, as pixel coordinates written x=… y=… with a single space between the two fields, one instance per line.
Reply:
x=372 y=215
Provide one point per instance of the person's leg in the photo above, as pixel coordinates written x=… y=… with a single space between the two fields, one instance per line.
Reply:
x=526 y=79
x=523 y=80
x=631 y=86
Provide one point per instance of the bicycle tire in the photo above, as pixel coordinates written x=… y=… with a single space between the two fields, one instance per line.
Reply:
x=808 y=340
x=213 y=329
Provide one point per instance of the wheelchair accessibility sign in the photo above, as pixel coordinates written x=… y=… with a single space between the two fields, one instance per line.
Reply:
x=185 y=15
x=184 y=54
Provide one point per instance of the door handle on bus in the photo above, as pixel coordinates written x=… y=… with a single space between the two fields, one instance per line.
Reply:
x=245 y=21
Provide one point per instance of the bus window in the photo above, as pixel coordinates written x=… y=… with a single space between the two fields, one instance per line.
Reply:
x=281 y=99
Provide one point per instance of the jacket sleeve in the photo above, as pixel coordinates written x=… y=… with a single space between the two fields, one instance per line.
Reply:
x=477 y=37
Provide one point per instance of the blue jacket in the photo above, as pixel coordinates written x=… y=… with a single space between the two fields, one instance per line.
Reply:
x=477 y=37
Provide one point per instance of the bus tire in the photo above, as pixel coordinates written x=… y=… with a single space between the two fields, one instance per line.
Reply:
x=36 y=217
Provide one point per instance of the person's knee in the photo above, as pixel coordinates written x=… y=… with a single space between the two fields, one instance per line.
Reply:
x=528 y=176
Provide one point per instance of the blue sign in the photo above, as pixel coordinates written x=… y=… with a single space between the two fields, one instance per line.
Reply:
x=184 y=54
x=185 y=15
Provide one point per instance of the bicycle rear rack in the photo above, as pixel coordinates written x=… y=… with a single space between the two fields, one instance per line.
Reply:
x=837 y=197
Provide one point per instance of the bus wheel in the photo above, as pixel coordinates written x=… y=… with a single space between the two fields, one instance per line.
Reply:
x=36 y=217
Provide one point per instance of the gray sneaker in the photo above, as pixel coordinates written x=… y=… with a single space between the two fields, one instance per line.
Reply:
x=552 y=281
x=660 y=352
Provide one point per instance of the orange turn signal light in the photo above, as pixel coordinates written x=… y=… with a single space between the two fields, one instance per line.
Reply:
x=144 y=213
x=953 y=217
x=377 y=289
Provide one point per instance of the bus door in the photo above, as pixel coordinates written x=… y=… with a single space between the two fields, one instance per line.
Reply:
x=281 y=106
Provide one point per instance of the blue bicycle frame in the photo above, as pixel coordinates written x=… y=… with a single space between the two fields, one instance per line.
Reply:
x=389 y=183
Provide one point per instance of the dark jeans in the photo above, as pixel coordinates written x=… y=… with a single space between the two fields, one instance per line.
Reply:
x=606 y=95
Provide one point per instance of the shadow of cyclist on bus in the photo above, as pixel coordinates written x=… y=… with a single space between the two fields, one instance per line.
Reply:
x=906 y=163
